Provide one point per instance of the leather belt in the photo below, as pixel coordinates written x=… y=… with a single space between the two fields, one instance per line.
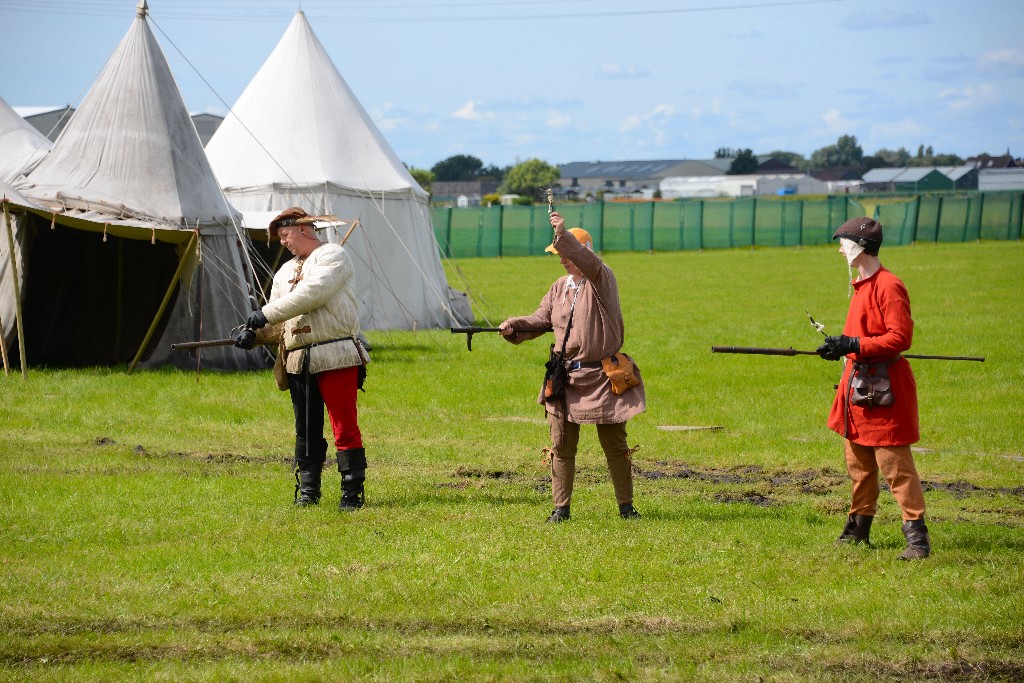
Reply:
x=328 y=341
x=583 y=364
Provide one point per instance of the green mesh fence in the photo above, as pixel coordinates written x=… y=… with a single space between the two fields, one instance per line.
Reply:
x=723 y=223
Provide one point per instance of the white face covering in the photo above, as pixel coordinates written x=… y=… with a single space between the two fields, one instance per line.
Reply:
x=850 y=249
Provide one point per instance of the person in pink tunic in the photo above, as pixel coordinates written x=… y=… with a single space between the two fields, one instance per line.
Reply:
x=588 y=296
x=875 y=407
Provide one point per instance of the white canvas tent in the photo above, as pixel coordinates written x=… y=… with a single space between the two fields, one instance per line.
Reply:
x=299 y=137
x=134 y=239
x=21 y=145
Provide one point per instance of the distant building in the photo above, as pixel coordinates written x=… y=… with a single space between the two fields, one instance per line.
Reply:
x=988 y=161
x=754 y=185
x=632 y=177
x=921 y=178
x=451 y=190
x=991 y=179
x=51 y=123
x=206 y=125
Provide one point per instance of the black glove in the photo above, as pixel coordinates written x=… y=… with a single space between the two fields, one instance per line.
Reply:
x=835 y=348
x=246 y=339
x=256 y=320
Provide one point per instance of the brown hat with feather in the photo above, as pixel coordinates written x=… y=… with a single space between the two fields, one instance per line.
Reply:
x=295 y=216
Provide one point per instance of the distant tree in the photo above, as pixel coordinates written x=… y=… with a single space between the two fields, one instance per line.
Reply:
x=920 y=151
x=846 y=152
x=744 y=163
x=725 y=153
x=871 y=162
x=896 y=159
x=947 y=160
x=527 y=178
x=423 y=177
x=458 y=167
x=492 y=172
x=931 y=159
x=792 y=158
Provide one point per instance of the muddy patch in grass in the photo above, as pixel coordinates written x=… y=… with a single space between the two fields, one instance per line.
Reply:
x=816 y=482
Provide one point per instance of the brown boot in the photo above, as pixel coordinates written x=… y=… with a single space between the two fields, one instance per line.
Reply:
x=918 y=544
x=857 y=530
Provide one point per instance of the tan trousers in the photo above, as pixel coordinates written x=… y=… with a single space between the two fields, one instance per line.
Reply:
x=565 y=438
x=897 y=466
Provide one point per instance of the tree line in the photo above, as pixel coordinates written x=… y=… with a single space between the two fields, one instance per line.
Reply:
x=528 y=177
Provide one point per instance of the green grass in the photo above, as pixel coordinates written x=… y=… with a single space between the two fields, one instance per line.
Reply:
x=146 y=531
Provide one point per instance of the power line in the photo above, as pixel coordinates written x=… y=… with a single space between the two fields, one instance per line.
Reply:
x=252 y=12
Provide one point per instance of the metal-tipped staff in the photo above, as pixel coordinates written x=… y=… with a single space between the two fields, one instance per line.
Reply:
x=470 y=331
x=761 y=351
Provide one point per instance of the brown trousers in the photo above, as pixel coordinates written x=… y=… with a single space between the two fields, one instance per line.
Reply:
x=565 y=438
x=897 y=466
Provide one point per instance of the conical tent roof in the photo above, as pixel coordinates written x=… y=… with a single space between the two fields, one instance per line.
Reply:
x=329 y=137
x=131 y=147
x=299 y=137
x=21 y=145
x=130 y=163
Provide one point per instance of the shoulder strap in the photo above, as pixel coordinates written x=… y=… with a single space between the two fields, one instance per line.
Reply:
x=572 y=309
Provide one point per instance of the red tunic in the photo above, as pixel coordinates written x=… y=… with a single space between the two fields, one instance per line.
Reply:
x=880 y=315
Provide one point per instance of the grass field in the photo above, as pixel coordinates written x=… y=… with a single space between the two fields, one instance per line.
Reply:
x=147 y=533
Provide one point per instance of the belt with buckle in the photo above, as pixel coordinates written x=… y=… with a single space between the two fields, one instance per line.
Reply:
x=580 y=364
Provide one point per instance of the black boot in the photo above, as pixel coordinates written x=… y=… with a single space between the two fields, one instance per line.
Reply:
x=857 y=530
x=918 y=544
x=559 y=514
x=627 y=511
x=309 y=464
x=352 y=466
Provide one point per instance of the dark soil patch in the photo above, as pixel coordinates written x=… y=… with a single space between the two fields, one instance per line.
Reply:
x=477 y=473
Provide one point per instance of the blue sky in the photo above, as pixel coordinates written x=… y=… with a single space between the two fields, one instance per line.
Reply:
x=576 y=80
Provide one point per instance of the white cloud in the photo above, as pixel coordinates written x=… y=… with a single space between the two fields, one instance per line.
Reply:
x=904 y=129
x=714 y=108
x=1007 y=56
x=653 y=122
x=612 y=70
x=468 y=112
x=630 y=122
x=835 y=122
x=968 y=96
x=557 y=119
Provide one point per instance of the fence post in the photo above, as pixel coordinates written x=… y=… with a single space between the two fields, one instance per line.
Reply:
x=938 y=219
x=700 y=227
x=448 y=231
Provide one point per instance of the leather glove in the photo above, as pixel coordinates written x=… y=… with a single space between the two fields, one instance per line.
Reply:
x=256 y=320
x=835 y=348
x=246 y=339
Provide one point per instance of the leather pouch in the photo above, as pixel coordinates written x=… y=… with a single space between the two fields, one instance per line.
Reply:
x=621 y=371
x=870 y=385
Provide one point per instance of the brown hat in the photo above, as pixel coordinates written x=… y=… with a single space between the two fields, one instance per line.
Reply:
x=285 y=218
x=864 y=231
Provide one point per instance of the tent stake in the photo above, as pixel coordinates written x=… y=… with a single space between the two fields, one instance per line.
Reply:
x=17 y=291
x=163 y=304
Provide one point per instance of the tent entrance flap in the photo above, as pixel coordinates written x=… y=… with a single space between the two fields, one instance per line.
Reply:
x=90 y=301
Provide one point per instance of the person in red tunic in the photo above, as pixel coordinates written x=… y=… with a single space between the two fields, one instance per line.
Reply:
x=875 y=407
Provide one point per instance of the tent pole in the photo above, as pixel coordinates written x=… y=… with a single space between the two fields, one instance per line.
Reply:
x=3 y=349
x=163 y=304
x=17 y=290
